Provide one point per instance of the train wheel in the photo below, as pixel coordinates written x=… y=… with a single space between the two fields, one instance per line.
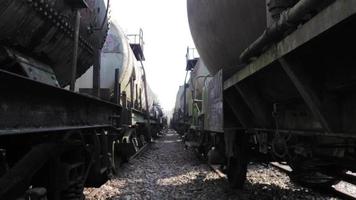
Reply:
x=116 y=157
x=16 y=181
x=237 y=165
x=314 y=179
x=129 y=144
x=69 y=170
x=313 y=173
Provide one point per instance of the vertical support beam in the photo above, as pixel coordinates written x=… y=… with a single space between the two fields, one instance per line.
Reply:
x=140 y=98
x=132 y=88
x=124 y=100
x=185 y=97
x=124 y=114
x=96 y=73
x=148 y=124
x=255 y=103
x=302 y=82
x=136 y=97
x=239 y=108
x=75 y=51
x=117 y=87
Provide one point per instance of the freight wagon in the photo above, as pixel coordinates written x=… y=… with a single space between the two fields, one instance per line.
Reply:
x=281 y=86
x=55 y=141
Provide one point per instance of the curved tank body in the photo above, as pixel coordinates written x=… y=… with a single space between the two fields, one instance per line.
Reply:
x=222 y=29
x=117 y=54
x=44 y=30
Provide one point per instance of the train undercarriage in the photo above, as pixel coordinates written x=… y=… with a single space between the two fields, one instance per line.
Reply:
x=55 y=142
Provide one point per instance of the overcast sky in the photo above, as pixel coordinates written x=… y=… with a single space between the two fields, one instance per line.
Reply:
x=166 y=35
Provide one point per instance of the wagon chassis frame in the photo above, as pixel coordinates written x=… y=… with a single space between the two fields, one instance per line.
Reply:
x=325 y=20
x=34 y=114
x=282 y=54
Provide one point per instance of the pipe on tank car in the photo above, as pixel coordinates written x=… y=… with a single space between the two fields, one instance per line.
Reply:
x=185 y=96
x=288 y=19
x=75 y=50
x=97 y=73
x=117 y=87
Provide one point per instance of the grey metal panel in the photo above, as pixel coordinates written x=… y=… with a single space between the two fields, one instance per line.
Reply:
x=199 y=75
x=214 y=117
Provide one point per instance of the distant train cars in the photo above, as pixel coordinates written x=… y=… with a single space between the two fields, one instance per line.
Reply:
x=281 y=92
x=120 y=69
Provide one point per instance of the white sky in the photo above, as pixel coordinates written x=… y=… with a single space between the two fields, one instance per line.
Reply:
x=166 y=35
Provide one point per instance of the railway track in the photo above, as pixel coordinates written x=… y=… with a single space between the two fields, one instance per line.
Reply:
x=165 y=170
x=343 y=189
x=168 y=170
x=92 y=192
x=140 y=151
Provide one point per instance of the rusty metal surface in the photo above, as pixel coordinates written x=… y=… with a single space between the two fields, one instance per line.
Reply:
x=45 y=30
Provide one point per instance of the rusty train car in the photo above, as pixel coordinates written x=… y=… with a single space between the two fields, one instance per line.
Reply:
x=55 y=141
x=280 y=86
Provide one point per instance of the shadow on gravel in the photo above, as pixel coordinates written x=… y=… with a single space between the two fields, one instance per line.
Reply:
x=218 y=189
x=168 y=171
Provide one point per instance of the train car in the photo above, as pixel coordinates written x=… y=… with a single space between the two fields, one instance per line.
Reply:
x=177 y=111
x=182 y=115
x=290 y=94
x=55 y=141
x=117 y=57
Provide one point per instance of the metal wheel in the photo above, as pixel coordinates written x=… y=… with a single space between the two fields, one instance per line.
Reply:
x=17 y=179
x=309 y=172
x=69 y=170
x=116 y=158
x=237 y=165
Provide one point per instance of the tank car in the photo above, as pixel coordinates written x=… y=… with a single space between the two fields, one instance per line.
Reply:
x=54 y=142
x=183 y=110
x=177 y=111
x=290 y=97
x=44 y=31
x=118 y=57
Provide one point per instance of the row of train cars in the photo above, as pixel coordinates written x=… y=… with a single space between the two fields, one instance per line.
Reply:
x=55 y=139
x=275 y=82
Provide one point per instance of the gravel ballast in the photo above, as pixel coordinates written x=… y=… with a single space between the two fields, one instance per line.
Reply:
x=169 y=171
